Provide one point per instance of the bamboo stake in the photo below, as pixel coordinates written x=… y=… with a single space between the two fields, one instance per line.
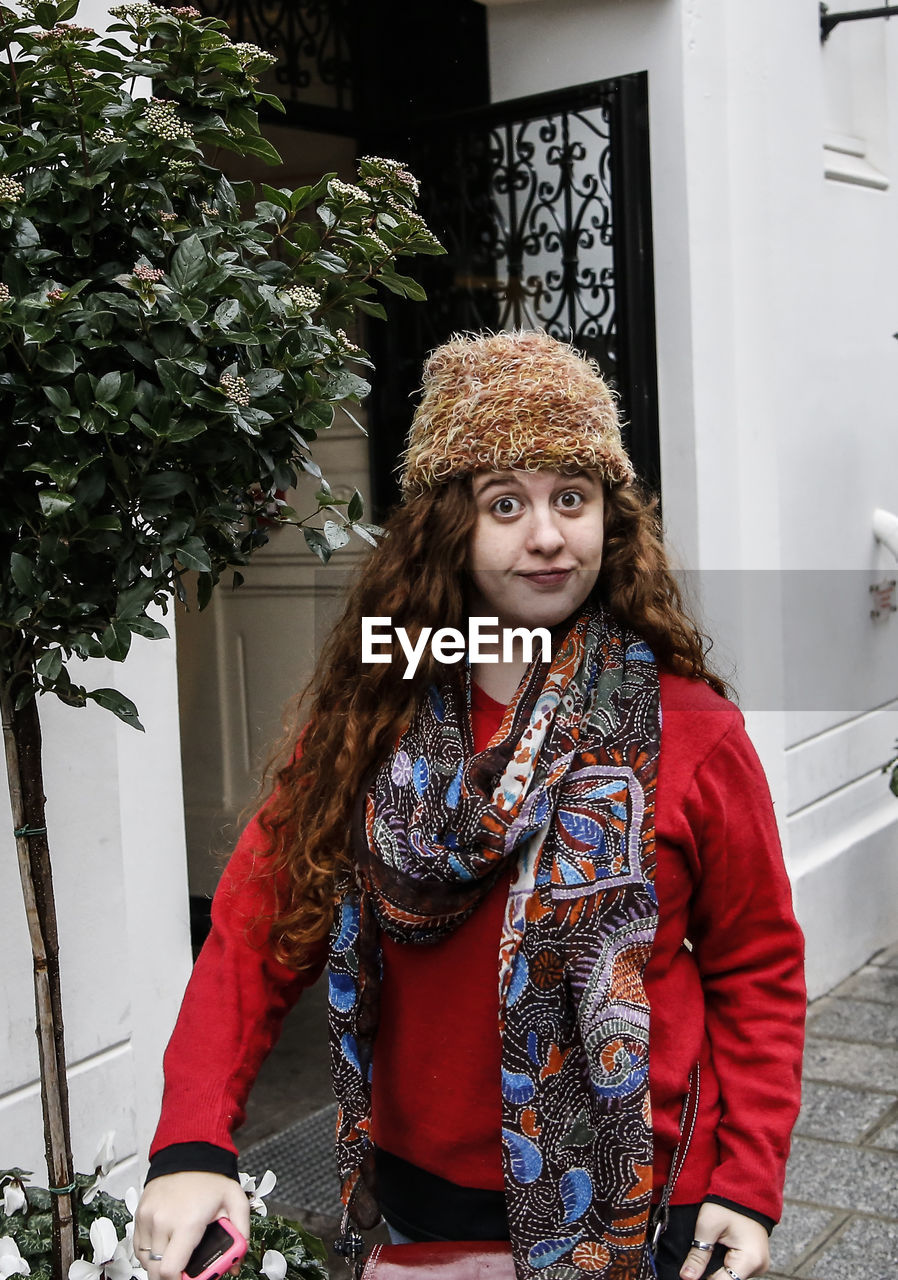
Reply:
x=22 y=742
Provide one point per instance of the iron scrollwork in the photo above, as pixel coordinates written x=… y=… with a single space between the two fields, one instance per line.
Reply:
x=526 y=212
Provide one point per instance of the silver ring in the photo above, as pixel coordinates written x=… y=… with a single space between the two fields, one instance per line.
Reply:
x=731 y=1273
x=702 y=1245
x=157 y=1257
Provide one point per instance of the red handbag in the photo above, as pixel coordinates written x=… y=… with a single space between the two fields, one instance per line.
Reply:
x=440 y=1260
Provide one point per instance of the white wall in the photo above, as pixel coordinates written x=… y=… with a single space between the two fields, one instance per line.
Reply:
x=776 y=300
x=116 y=831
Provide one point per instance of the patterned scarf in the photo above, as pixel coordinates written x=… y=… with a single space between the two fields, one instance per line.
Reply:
x=566 y=789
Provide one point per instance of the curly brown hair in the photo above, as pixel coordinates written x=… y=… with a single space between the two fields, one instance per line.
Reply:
x=416 y=577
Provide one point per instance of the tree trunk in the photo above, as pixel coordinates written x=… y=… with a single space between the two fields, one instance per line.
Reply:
x=22 y=740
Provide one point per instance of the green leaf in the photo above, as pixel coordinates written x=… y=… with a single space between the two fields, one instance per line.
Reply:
x=193 y=555
x=54 y=503
x=185 y=429
x=317 y=417
x=300 y=197
x=343 y=384
x=188 y=265
x=59 y=398
x=270 y=100
x=131 y=603
x=165 y=484
x=317 y=542
x=45 y=14
x=116 y=640
x=38 y=184
x=402 y=285
x=26 y=233
x=38 y=333
x=150 y=628
x=264 y=381
x=356 y=506
x=273 y=196
x=257 y=146
x=62 y=473
x=226 y=313
x=25 y=696
x=204 y=585
x=108 y=387
x=335 y=534
x=118 y=704
x=57 y=359
x=49 y=664
x=375 y=309
x=366 y=532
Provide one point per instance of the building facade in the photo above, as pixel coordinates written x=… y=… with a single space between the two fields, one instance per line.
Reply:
x=772 y=160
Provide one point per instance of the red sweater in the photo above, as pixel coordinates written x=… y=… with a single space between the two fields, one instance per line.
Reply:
x=735 y=1001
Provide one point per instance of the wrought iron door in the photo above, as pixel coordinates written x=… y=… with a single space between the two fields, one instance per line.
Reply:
x=543 y=204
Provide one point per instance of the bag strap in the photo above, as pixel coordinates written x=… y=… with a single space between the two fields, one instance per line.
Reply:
x=350 y=1245
x=661 y=1216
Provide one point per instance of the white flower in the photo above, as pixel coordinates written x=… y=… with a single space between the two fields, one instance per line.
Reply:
x=132 y=1197
x=140 y=14
x=105 y=1157
x=162 y=119
x=348 y=191
x=103 y=1162
x=266 y=1186
x=10 y=189
x=110 y=1262
x=248 y=53
x=11 y=1261
x=274 y=1265
x=13 y=1197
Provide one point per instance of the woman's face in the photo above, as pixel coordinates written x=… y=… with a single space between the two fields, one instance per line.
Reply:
x=536 y=547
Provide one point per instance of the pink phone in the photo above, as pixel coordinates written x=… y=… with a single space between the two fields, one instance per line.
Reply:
x=221 y=1246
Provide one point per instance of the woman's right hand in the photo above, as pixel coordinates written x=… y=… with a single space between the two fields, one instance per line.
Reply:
x=175 y=1210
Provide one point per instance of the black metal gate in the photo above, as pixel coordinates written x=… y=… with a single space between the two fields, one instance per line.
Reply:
x=542 y=202
x=544 y=206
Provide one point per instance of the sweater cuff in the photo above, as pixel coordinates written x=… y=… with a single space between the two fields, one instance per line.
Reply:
x=192 y=1157
x=767 y=1223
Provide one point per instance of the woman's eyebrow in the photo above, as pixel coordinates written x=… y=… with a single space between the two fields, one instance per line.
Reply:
x=501 y=479
x=509 y=477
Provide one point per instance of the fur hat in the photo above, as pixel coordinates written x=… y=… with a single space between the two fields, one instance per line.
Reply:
x=497 y=401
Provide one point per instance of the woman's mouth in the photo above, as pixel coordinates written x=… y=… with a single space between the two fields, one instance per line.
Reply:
x=548 y=577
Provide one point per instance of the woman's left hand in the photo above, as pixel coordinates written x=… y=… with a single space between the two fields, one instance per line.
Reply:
x=748 y=1250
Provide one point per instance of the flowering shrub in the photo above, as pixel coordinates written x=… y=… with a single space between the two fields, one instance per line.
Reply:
x=170 y=347
x=278 y=1249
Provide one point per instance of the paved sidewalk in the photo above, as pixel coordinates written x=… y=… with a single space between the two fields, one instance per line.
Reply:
x=841 y=1215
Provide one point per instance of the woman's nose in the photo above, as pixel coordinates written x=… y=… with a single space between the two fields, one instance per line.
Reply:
x=543 y=532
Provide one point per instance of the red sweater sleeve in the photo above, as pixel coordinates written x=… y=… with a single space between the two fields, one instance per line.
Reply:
x=233 y=1008
x=750 y=954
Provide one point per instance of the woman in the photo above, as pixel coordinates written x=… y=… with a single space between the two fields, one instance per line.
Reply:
x=579 y=840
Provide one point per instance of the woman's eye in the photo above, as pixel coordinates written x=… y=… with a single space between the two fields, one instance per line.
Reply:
x=505 y=506
x=571 y=499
